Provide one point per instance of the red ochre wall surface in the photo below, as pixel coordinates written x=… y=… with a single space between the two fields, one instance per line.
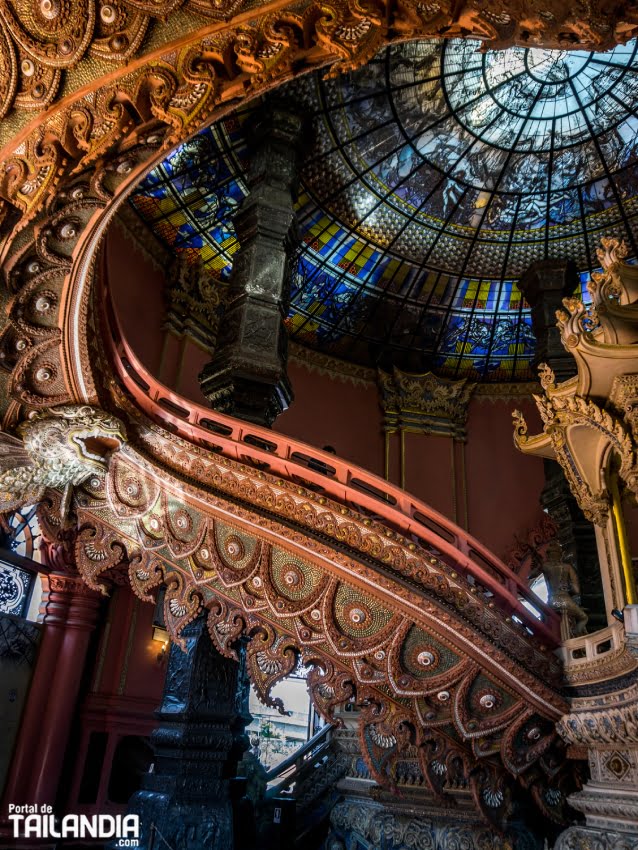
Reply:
x=137 y=287
x=485 y=485
x=123 y=691
x=329 y=411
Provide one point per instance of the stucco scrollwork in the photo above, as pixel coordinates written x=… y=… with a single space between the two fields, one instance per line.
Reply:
x=613 y=722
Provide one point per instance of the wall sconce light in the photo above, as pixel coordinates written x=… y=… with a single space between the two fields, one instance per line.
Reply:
x=161 y=636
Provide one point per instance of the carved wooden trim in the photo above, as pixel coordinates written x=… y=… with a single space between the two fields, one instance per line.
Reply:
x=415 y=668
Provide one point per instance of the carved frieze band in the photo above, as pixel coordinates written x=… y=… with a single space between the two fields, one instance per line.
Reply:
x=44 y=39
x=418 y=690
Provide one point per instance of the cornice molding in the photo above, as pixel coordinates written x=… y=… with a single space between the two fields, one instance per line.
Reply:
x=332 y=367
x=366 y=377
x=505 y=392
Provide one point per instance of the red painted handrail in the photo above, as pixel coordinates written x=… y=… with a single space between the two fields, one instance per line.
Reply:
x=338 y=479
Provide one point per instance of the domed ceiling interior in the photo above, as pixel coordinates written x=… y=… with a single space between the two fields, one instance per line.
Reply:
x=435 y=176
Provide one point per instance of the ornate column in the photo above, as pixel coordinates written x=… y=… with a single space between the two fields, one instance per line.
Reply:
x=247 y=375
x=544 y=286
x=69 y=613
x=589 y=427
x=194 y=301
x=430 y=405
x=185 y=799
x=608 y=726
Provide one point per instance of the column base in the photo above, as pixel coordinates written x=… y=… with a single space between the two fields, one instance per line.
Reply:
x=604 y=723
x=187 y=826
x=607 y=809
x=184 y=802
x=590 y=838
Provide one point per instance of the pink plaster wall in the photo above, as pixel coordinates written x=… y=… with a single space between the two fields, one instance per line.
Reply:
x=329 y=412
x=429 y=471
x=137 y=289
x=504 y=486
x=193 y=361
x=128 y=665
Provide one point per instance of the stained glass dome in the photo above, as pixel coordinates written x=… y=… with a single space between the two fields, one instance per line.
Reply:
x=436 y=176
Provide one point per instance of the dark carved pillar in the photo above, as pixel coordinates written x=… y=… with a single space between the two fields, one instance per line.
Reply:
x=544 y=286
x=247 y=375
x=185 y=800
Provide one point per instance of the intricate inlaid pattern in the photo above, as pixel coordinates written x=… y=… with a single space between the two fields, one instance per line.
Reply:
x=425 y=680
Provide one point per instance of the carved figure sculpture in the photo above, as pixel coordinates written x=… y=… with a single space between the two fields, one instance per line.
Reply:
x=564 y=591
x=60 y=448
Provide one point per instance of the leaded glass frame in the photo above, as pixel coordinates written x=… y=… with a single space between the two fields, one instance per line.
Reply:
x=436 y=176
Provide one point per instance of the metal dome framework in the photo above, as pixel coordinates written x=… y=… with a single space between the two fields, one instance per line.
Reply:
x=436 y=176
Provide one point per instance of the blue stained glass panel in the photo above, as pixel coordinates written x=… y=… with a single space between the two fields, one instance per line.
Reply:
x=436 y=176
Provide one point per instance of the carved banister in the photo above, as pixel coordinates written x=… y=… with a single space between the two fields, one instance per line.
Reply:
x=589 y=646
x=348 y=484
x=598 y=656
x=288 y=770
x=302 y=753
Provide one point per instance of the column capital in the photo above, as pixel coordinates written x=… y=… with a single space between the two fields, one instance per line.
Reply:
x=67 y=601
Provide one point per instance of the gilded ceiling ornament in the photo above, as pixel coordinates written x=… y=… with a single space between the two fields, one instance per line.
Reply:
x=54 y=32
x=9 y=72
x=555 y=442
x=119 y=30
x=612 y=251
x=425 y=403
x=53 y=35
